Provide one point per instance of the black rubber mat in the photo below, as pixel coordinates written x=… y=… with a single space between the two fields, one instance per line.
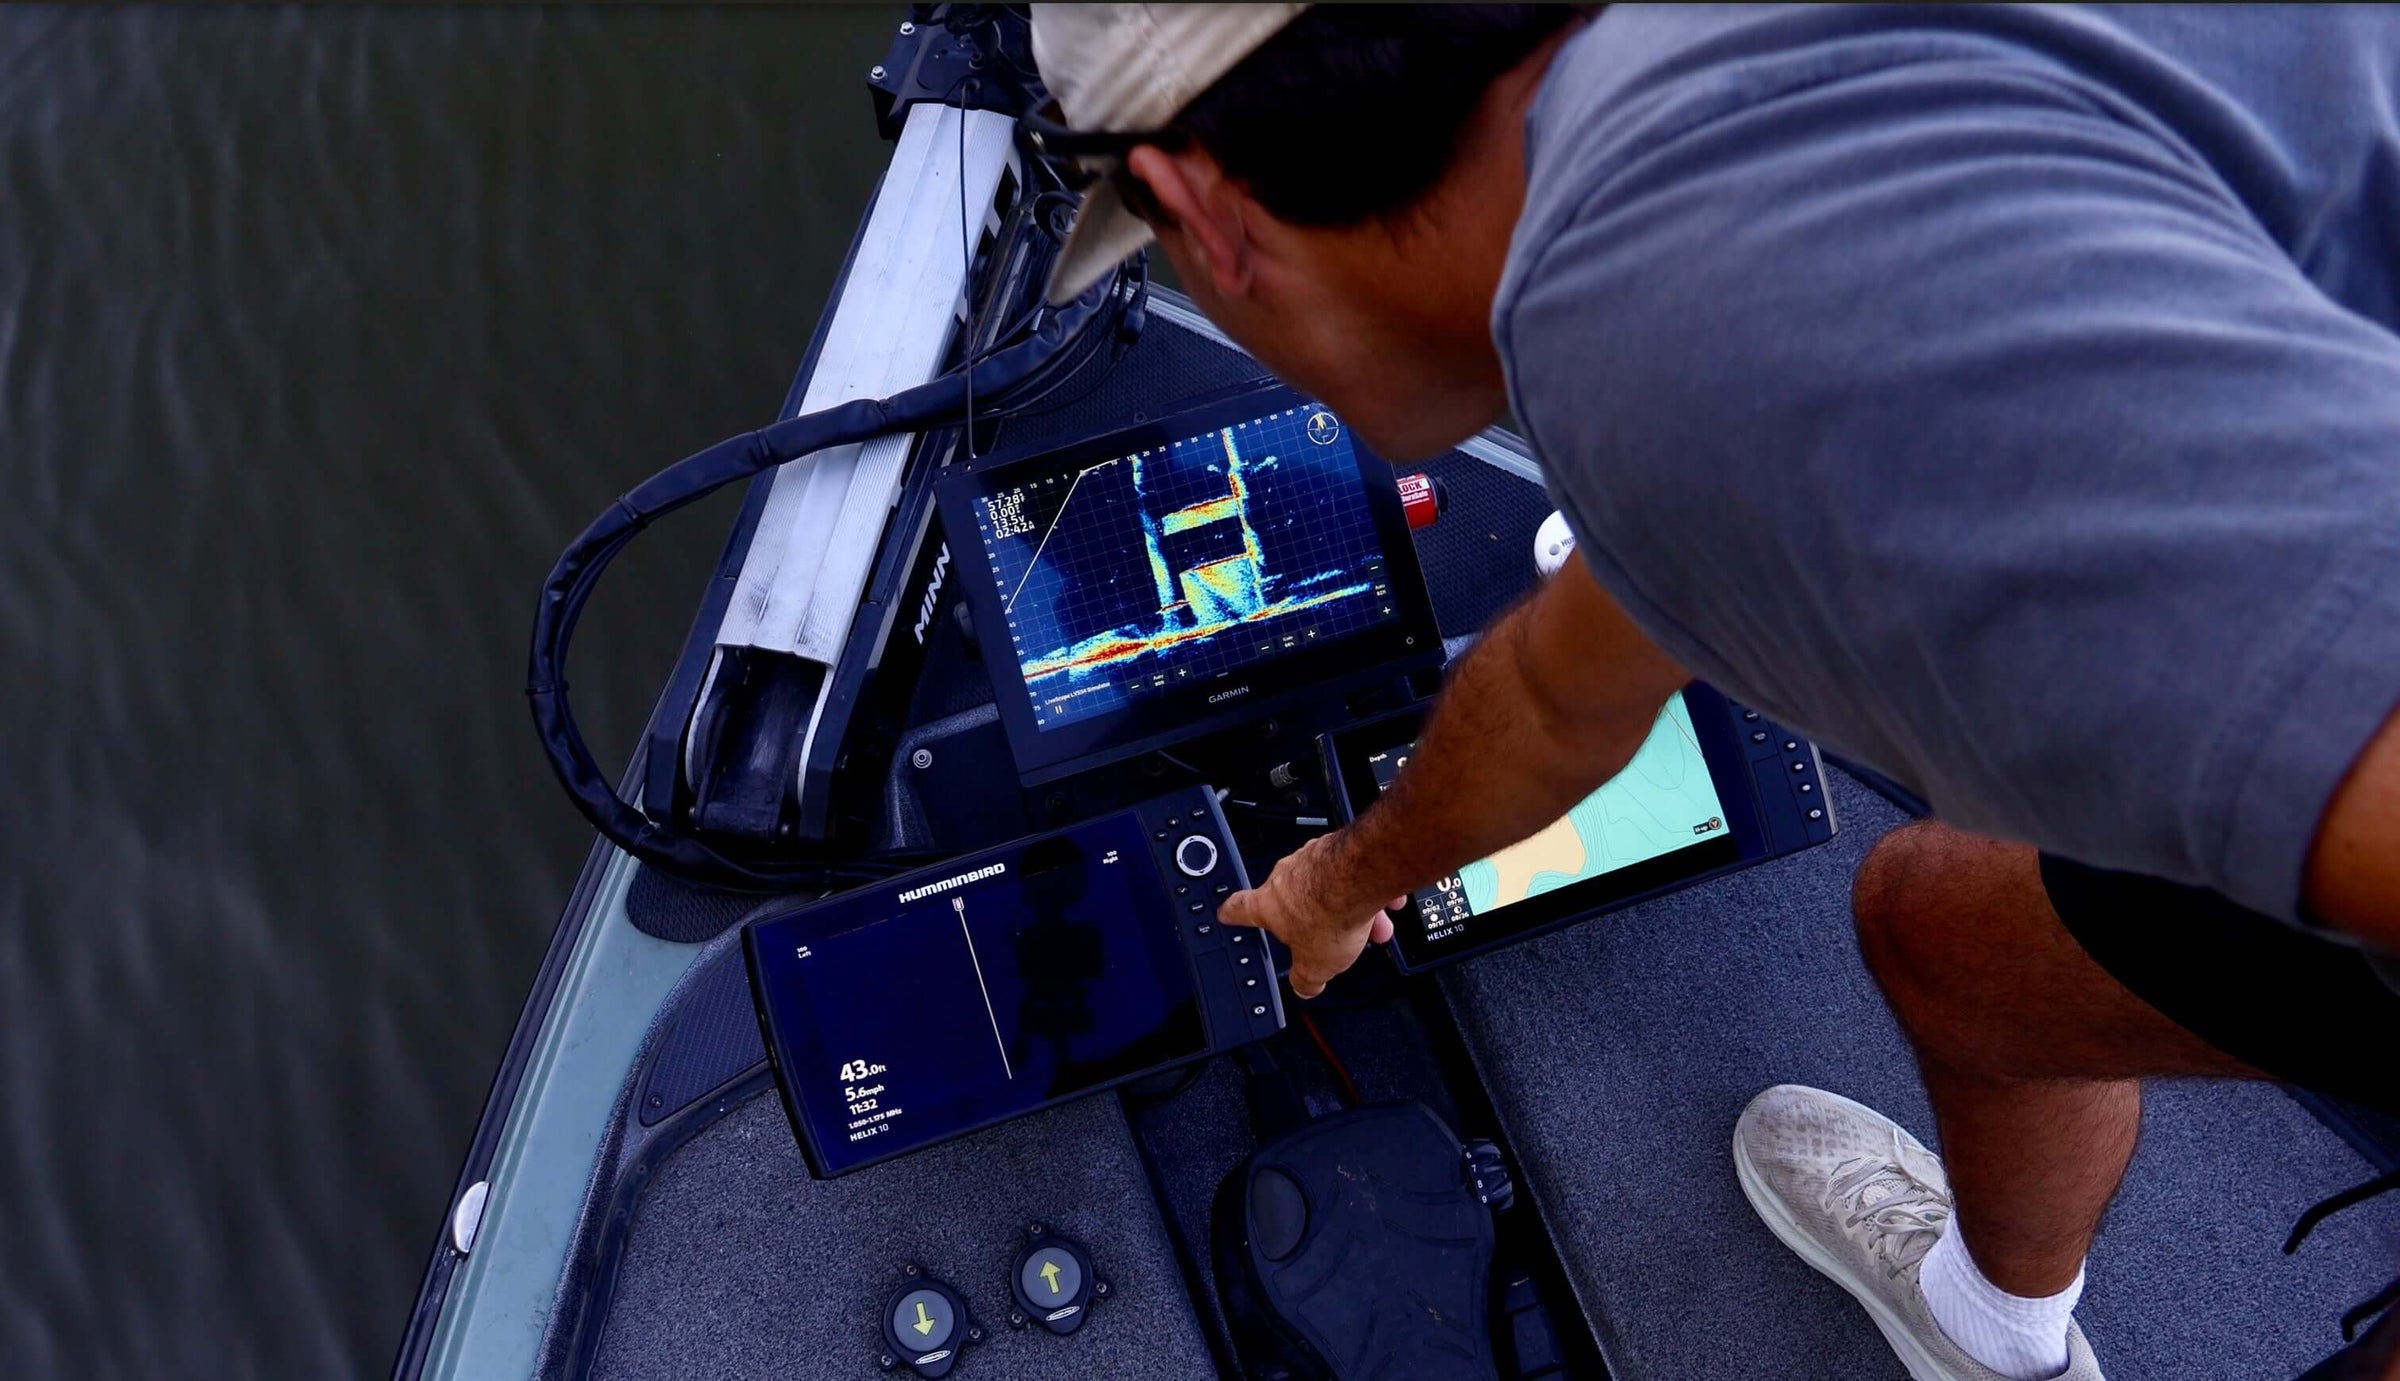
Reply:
x=1479 y=558
x=686 y=913
x=711 y=1039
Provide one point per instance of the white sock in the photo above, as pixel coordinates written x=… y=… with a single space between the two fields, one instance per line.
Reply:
x=2023 y=1339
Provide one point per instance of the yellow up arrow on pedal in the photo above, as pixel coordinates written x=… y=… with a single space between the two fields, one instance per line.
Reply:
x=1050 y=1275
x=924 y=1323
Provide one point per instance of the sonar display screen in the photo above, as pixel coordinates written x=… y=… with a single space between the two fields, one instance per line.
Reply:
x=1184 y=563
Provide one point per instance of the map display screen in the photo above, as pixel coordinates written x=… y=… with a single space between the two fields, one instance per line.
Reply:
x=1662 y=803
x=1184 y=564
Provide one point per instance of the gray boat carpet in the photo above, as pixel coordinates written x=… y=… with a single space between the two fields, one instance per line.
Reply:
x=740 y=1265
x=1654 y=1027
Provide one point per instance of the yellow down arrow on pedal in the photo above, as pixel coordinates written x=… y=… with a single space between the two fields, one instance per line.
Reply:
x=1050 y=1275
x=924 y=1323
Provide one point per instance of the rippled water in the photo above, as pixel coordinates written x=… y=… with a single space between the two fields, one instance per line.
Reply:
x=319 y=332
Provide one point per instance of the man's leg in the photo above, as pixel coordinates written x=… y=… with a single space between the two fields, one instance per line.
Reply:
x=2031 y=1052
x=2031 y=1040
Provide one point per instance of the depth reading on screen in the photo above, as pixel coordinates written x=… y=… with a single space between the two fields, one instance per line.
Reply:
x=1185 y=563
x=1662 y=801
x=906 y=1017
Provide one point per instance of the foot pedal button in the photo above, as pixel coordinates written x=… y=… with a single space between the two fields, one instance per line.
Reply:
x=925 y=1323
x=1050 y=1276
x=1053 y=1282
x=926 y=1318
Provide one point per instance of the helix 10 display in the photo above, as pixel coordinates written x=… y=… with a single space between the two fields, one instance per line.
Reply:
x=1002 y=982
x=1150 y=582
x=1662 y=802
x=1714 y=787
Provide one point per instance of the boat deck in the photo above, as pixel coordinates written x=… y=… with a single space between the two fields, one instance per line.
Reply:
x=1618 y=1054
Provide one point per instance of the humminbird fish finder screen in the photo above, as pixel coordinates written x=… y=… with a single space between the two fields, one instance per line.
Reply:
x=914 y=1010
x=1190 y=568
x=1687 y=805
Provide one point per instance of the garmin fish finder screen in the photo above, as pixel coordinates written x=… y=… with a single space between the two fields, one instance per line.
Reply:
x=1663 y=801
x=908 y=1012
x=1185 y=563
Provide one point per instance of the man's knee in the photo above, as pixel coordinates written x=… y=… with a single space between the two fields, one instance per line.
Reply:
x=1899 y=900
x=1959 y=932
x=1937 y=912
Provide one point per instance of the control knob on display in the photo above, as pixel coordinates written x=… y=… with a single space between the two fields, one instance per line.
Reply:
x=1196 y=856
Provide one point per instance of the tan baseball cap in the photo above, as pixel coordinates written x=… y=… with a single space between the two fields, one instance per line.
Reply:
x=1127 y=69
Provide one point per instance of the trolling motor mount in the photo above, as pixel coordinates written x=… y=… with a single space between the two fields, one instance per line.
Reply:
x=941 y=48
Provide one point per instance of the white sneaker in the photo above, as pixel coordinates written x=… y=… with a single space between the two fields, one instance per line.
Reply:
x=1863 y=1201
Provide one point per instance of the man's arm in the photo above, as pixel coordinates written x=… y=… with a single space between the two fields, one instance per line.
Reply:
x=1551 y=703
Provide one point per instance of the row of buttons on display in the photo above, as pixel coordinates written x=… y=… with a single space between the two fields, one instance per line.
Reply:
x=1784 y=764
x=1233 y=960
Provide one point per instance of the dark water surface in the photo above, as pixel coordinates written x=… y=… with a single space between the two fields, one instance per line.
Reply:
x=320 y=332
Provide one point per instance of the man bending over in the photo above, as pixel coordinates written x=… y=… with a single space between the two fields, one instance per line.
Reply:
x=2008 y=398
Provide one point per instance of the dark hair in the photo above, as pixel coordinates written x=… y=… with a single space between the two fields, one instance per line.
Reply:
x=1353 y=112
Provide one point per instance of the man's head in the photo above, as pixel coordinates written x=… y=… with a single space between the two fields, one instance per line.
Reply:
x=1339 y=196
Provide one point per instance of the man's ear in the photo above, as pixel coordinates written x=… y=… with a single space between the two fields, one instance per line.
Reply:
x=1207 y=209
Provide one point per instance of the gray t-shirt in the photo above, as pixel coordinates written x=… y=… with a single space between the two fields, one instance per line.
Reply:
x=2009 y=398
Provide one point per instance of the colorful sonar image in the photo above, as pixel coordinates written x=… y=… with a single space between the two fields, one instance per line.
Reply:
x=1662 y=801
x=1183 y=564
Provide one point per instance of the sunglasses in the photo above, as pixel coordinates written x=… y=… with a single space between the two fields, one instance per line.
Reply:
x=1083 y=157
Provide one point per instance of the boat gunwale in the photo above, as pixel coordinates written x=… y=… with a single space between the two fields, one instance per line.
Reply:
x=533 y=1020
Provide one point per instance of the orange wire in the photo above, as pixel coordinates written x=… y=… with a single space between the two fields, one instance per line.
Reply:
x=1349 y=1089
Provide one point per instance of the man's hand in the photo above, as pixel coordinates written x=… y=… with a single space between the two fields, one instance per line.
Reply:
x=1302 y=904
x=1548 y=705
